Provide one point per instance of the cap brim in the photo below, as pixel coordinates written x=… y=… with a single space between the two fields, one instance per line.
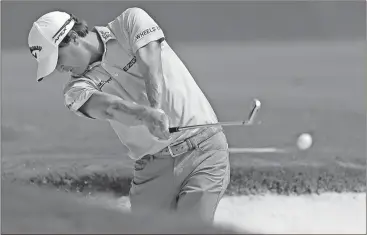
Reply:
x=47 y=65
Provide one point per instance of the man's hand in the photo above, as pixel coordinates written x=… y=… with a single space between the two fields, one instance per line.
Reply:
x=104 y=106
x=157 y=122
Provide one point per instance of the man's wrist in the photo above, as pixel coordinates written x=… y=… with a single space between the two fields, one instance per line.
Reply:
x=144 y=114
x=147 y=112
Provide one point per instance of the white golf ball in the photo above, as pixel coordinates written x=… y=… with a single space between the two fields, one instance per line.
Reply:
x=304 y=141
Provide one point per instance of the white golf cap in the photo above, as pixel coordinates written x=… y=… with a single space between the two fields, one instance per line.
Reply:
x=44 y=39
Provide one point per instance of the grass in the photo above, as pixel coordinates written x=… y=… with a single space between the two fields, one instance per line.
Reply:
x=291 y=180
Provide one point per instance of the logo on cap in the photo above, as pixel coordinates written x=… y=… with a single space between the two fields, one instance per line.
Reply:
x=62 y=30
x=35 y=50
x=59 y=35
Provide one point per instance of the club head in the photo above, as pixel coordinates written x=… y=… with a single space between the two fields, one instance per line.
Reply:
x=256 y=104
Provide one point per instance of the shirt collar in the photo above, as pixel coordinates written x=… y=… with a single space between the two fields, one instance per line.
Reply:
x=105 y=33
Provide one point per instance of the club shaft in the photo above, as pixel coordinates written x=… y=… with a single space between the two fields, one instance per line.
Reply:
x=235 y=123
x=249 y=121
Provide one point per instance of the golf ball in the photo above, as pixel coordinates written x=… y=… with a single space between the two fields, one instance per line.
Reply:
x=304 y=141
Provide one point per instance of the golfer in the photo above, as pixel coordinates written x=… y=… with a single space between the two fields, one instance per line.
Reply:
x=126 y=73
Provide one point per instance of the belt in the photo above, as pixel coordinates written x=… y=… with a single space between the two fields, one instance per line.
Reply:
x=189 y=143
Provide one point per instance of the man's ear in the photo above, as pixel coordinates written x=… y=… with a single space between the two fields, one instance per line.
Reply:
x=74 y=37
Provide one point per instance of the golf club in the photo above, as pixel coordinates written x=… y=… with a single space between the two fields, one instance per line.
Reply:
x=249 y=121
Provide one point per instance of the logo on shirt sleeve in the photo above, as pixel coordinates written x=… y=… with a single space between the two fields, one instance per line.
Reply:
x=146 y=32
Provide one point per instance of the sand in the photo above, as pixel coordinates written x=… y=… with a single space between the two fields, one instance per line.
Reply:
x=314 y=214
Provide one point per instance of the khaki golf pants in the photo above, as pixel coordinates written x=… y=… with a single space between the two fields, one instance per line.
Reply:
x=191 y=183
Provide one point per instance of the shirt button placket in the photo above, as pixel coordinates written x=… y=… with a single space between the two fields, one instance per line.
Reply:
x=106 y=68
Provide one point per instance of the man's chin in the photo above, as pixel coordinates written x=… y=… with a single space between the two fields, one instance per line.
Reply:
x=79 y=73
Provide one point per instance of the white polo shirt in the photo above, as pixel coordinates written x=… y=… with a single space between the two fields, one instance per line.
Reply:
x=119 y=74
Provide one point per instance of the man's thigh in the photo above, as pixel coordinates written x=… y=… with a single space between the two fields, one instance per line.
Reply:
x=202 y=190
x=152 y=188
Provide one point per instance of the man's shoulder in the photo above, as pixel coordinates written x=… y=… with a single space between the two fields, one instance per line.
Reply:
x=128 y=14
x=132 y=11
x=118 y=25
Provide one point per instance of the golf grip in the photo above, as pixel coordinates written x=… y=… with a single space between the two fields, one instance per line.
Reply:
x=174 y=129
x=177 y=129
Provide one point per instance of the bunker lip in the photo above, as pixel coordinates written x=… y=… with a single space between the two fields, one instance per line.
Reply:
x=299 y=179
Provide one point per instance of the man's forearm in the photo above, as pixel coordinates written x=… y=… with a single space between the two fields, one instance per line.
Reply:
x=149 y=60
x=153 y=85
x=127 y=112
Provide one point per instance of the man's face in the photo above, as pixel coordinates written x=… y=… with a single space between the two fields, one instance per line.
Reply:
x=73 y=57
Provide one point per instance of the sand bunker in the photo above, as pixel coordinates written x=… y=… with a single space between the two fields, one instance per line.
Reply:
x=328 y=213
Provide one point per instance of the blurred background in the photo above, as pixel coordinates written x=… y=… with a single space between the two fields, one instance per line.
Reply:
x=206 y=21
x=303 y=60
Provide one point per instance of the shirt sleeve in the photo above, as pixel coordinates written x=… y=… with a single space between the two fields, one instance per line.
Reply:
x=76 y=93
x=139 y=27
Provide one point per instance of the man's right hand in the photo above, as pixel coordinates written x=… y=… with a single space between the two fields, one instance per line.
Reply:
x=104 y=106
x=157 y=122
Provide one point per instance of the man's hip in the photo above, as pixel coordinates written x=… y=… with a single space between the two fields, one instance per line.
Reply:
x=191 y=143
x=192 y=181
x=202 y=141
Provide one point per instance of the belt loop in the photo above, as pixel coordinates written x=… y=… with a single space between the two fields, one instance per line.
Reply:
x=193 y=143
x=189 y=143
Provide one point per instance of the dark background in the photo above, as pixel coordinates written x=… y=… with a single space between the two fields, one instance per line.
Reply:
x=206 y=21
